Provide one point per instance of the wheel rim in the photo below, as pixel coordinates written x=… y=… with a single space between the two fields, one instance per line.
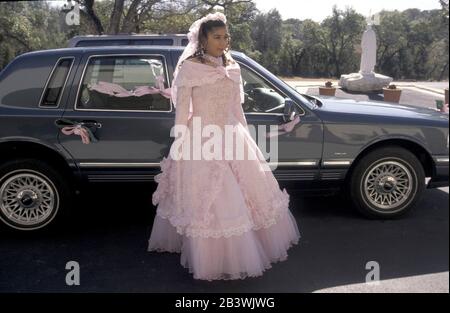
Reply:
x=388 y=185
x=28 y=199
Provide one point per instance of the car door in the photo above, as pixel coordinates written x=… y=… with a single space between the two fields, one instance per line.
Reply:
x=299 y=151
x=123 y=100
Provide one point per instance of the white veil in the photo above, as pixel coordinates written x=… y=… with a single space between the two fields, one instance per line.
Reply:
x=192 y=47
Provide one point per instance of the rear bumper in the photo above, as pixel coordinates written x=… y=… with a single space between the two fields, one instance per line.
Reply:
x=440 y=177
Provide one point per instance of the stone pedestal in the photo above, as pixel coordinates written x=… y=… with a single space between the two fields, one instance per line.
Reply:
x=364 y=82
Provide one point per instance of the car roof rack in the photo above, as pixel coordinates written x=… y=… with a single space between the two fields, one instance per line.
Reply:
x=128 y=39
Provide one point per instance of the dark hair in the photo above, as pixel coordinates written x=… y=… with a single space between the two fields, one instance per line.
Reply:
x=205 y=29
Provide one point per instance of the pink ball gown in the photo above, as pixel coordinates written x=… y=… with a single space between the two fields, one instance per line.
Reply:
x=229 y=219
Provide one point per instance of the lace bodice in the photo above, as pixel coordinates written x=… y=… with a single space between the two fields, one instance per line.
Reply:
x=213 y=93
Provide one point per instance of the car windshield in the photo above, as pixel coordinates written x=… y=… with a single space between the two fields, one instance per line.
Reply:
x=262 y=69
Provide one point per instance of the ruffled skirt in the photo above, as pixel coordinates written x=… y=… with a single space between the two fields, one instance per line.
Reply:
x=238 y=241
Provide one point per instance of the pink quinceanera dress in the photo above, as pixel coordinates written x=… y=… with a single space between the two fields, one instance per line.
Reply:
x=229 y=219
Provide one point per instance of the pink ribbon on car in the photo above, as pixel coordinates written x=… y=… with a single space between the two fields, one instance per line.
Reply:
x=77 y=130
x=69 y=127
x=285 y=128
x=118 y=91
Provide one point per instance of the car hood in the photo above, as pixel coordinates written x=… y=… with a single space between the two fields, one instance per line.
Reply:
x=378 y=108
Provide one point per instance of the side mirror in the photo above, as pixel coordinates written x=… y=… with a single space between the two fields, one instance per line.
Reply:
x=290 y=110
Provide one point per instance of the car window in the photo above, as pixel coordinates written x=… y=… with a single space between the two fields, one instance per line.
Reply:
x=260 y=96
x=125 y=83
x=54 y=88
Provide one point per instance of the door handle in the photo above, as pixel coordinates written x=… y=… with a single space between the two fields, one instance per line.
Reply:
x=91 y=123
x=66 y=122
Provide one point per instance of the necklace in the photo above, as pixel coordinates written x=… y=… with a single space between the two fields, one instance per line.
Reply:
x=213 y=59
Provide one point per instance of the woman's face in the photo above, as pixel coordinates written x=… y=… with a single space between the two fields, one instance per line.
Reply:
x=218 y=41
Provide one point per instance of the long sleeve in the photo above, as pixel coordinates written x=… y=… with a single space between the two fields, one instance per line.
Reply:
x=184 y=94
x=180 y=131
x=238 y=111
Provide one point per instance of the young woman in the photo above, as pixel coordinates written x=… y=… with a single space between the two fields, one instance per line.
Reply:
x=226 y=215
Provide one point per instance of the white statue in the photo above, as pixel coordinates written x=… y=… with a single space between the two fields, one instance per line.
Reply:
x=366 y=79
x=369 y=51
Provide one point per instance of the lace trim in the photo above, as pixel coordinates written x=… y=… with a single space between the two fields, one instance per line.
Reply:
x=269 y=215
x=192 y=78
x=186 y=225
x=204 y=80
x=165 y=190
x=162 y=180
x=220 y=233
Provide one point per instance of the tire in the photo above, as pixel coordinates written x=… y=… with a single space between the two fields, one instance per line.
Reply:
x=386 y=183
x=36 y=192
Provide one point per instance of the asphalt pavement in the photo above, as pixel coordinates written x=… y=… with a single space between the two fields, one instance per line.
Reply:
x=107 y=237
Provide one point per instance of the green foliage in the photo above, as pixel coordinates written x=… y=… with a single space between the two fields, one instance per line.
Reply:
x=411 y=44
x=28 y=26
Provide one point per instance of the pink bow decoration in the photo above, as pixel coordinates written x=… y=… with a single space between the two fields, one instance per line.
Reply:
x=120 y=92
x=285 y=128
x=77 y=130
x=232 y=72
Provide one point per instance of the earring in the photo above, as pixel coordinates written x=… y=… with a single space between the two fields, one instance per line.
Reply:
x=202 y=51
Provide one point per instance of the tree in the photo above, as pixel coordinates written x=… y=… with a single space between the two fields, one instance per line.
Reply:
x=267 y=38
x=128 y=16
x=27 y=26
x=292 y=48
x=412 y=44
x=338 y=36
